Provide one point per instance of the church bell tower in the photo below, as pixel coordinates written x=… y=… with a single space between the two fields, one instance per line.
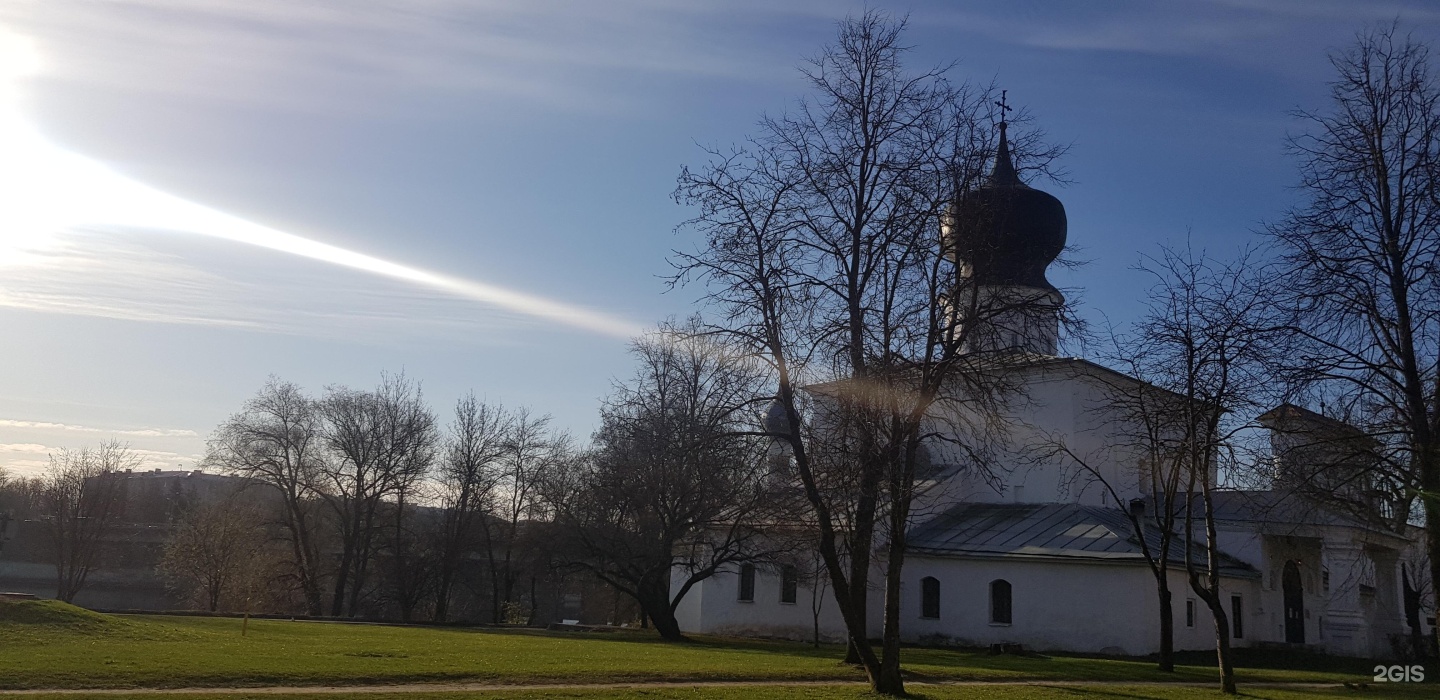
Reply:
x=1002 y=235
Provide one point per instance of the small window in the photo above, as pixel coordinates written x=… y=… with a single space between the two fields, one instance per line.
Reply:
x=1189 y=613
x=1000 y=602
x=1237 y=618
x=747 y=582
x=789 y=583
x=930 y=597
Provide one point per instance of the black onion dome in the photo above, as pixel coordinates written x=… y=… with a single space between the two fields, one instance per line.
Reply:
x=1007 y=231
x=776 y=420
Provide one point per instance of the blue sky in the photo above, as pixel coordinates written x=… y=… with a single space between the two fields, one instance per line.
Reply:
x=529 y=147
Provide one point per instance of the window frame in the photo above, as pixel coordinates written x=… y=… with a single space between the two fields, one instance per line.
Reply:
x=789 y=585
x=745 y=589
x=1008 y=609
x=930 y=598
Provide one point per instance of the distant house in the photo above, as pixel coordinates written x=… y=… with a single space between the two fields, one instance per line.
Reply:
x=125 y=577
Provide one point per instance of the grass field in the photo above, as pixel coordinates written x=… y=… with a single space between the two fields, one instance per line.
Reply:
x=779 y=692
x=48 y=645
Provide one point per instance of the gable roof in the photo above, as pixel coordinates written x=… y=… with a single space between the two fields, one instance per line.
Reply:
x=1280 y=512
x=1056 y=531
x=1288 y=417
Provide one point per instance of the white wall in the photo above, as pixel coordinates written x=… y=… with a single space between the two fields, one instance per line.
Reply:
x=713 y=607
x=1060 y=405
x=1097 y=608
x=1080 y=607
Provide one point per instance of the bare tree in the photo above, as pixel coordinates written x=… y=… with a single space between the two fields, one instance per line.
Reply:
x=380 y=444
x=815 y=576
x=821 y=258
x=80 y=494
x=467 y=479
x=675 y=482
x=1418 y=599
x=1362 y=253
x=5 y=507
x=529 y=452
x=411 y=562
x=1206 y=341
x=1140 y=449
x=19 y=499
x=215 y=553
x=275 y=440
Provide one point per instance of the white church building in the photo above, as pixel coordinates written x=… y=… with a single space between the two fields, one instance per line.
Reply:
x=1040 y=558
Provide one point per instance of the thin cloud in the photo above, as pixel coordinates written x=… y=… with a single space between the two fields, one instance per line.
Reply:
x=1224 y=30
x=162 y=278
x=31 y=459
x=559 y=54
x=57 y=191
x=25 y=448
x=67 y=427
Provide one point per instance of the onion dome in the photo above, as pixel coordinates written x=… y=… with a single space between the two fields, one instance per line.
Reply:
x=775 y=419
x=1004 y=231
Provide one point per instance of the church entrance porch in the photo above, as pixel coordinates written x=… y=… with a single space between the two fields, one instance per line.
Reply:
x=1294 y=592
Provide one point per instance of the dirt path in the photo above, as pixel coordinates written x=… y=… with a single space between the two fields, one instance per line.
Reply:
x=496 y=687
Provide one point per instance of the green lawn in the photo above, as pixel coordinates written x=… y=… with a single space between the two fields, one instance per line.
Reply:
x=62 y=647
x=1025 y=692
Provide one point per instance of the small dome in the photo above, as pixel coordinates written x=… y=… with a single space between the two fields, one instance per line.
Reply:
x=774 y=419
x=1006 y=232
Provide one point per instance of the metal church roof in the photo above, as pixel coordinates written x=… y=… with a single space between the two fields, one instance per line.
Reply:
x=1060 y=531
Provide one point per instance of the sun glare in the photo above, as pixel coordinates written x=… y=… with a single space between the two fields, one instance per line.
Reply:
x=46 y=189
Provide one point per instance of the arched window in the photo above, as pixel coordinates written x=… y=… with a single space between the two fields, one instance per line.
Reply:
x=747 y=582
x=789 y=583
x=930 y=597
x=1000 y=601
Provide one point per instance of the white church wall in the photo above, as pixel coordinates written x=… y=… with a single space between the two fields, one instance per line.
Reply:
x=1058 y=406
x=1078 y=607
x=1093 y=608
x=713 y=607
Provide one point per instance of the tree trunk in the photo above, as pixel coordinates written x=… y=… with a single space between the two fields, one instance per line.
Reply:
x=1167 y=622
x=534 y=604
x=304 y=562
x=890 y=681
x=655 y=606
x=357 y=584
x=1431 y=501
x=668 y=627
x=442 y=593
x=862 y=538
x=495 y=594
x=1222 y=644
x=342 y=579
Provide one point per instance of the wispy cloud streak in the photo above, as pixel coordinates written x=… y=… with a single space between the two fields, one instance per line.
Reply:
x=49 y=190
x=562 y=54
x=66 y=427
x=31 y=459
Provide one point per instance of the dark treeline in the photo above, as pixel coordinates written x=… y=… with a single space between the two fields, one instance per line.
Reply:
x=367 y=503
